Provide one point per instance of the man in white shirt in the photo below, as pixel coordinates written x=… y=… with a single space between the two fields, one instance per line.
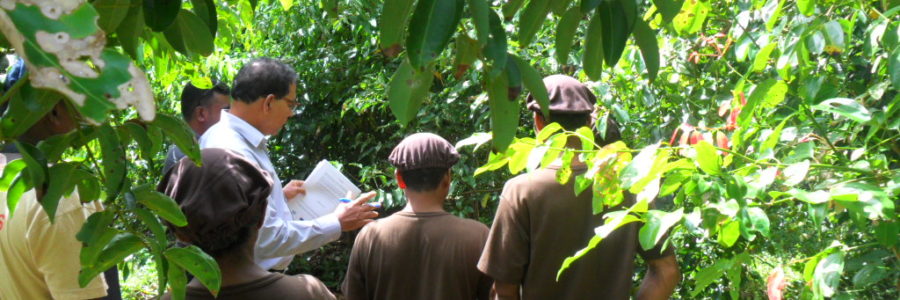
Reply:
x=265 y=96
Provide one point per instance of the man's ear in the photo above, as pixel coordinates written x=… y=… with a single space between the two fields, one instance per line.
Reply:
x=200 y=114
x=400 y=182
x=539 y=122
x=448 y=178
x=268 y=101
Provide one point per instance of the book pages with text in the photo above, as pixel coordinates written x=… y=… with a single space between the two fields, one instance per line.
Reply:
x=325 y=185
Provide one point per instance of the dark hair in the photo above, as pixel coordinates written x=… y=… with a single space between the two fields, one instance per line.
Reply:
x=193 y=97
x=424 y=179
x=261 y=77
x=612 y=132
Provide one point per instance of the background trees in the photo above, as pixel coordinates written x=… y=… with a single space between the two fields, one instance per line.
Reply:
x=767 y=130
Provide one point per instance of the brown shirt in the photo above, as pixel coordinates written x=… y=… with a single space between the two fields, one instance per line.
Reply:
x=539 y=223
x=418 y=256
x=275 y=286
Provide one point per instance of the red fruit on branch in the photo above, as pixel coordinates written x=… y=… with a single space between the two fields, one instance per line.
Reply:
x=721 y=140
x=695 y=137
x=775 y=284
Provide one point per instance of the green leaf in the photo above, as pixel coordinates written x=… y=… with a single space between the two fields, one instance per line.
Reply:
x=600 y=233
x=519 y=159
x=495 y=161
x=690 y=19
x=615 y=29
x=828 y=274
x=504 y=113
x=511 y=7
x=139 y=134
x=159 y=14
x=646 y=40
x=35 y=164
x=286 y=4
x=26 y=108
x=407 y=90
x=887 y=233
x=559 y=7
x=846 y=107
x=672 y=182
x=548 y=131
x=893 y=67
x=795 y=173
x=96 y=232
x=114 y=164
x=755 y=220
x=88 y=186
x=161 y=204
x=639 y=167
x=129 y=31
x=10 y=171
x=668 y=9
x=206 y=11
x=834 y=37
x=564 y=174
x=534 y=82
x=466 y=53
x=657 y=224
x=588 y=5
x=189 y=34
x=806 y=7
x=495 y=50
x=587 y=138
x=815 y=43
x=774 y=137
x=593 y=48
x=556 y=145
x=121 y=246
x=14 y=194
x=565 y=34
x=707 y=275
x=729 y=233
x=152 y=222
x=61 y=184
x=201 y=265
x=869 y=275
x=772 y=13
x=393 y=21
x=179 y=133
x=762 y=57
x=177 y=280
x=707 y=158
x=769 y=92
x=531 y=20
x=480 y=12
x=432 y=24
x=111 y=12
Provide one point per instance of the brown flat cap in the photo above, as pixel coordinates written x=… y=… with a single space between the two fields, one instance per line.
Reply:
x=567 y=96
x=221 y=197
x=423 y=150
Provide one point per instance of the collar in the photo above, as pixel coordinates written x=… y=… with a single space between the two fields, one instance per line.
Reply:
x=247 y=131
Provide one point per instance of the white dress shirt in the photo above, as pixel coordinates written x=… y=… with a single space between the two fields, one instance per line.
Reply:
x=281 y=237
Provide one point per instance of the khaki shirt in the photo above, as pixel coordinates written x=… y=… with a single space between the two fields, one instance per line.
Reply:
x=39 y=260
x=539 y=223
x=418 y=256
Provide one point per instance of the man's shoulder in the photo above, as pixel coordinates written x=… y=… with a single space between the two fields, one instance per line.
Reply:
x=219 y=133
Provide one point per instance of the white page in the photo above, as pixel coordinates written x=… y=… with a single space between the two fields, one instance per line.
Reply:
x=324 y=188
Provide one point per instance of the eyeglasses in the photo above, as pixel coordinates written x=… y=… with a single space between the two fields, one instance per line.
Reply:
x=292 y=103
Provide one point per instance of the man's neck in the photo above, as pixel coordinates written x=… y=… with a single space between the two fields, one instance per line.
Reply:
x=246 y=111
x=237 y=268
x=424 y=202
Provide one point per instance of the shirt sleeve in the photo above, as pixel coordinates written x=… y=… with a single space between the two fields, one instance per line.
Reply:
x=280 y=238
x=354 y=285
x=506 y=252
x=57 y=256
x=315 y=288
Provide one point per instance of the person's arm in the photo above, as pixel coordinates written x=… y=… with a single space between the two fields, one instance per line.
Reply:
x=661 y=278
x=505 y=291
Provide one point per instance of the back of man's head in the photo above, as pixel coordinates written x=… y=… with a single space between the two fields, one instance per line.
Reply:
x=193 y=97
x=423 y=159
x=571 y=106
x=261 y=77
x=224 y=200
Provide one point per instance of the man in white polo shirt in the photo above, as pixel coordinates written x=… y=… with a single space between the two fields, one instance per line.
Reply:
x=265 y=96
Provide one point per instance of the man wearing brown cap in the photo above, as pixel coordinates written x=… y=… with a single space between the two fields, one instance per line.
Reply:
x=225 y=205
x=540 y=222
x=422 y=252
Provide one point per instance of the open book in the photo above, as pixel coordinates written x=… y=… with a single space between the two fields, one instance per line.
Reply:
x=324 y=188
